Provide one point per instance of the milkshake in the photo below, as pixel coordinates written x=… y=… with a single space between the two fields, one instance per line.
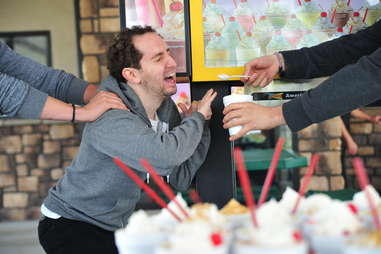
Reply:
x=214 y=14
x=216 y=52
x=341 y=13
x=277 y=43
x=308 y=40
x=244 y=15
x=277 y=14
x=275 y=233
x=374 y=13
x=232 y=34
x=237 y=214
x=327 y=230
x=247 y=49
x=308 y=13
x=293 y=31
x=355 y=24
x=140 y=236
x=262 y=33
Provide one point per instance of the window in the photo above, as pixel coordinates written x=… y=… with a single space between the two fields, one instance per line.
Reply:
x=34 y=45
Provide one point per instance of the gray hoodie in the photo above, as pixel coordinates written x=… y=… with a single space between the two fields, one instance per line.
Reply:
x=97 y=191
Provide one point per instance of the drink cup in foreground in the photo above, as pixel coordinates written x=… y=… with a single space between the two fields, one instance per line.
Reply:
x=234 y=98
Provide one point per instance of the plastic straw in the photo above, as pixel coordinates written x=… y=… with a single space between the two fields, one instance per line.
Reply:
x=239 y=36
x=307 y=179
x=193 y=195
x=333 y=15
x=150 y=192
x=363 y=180
x=235 y=4
x=163 y=186
x=245 y=184
x=157 y=11
x=366 y=13
x=271 y=171
x=349 y=2
x=299 y=3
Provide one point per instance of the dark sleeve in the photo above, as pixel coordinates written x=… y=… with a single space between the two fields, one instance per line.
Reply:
x=329 y=57
x=18 y=99
x=354 y=86
x=55 y=83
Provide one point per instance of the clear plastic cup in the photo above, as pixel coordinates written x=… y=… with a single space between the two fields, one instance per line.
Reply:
x=166 y=250
x=251 y=249
x=234 y=98
x=138 y=244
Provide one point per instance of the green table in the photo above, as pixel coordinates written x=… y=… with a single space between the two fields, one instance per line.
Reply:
x=260 y=159
x=289 y=161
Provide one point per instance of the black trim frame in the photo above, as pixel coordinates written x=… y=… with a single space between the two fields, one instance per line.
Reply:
x=32 y=33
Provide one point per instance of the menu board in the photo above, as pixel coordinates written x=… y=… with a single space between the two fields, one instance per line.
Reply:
x=226 y=34
x=236 y=31
x=167 y=17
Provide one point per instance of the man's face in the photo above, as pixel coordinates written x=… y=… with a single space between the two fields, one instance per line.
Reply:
x=158 y=68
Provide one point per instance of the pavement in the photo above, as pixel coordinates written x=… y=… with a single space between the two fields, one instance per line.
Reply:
x=19 y=237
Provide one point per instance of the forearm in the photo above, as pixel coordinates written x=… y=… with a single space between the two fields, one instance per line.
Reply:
x=182 y=176
x=55 y=83
x=357 y=113
x=57 y=110
x=329 y=57
x=18 y=99
x=350 y=88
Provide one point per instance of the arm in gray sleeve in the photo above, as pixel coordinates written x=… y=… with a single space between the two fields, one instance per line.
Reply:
x=55 y=83
x=352 y=87
x=123 y=134
x=18 y=99
x=182 y=176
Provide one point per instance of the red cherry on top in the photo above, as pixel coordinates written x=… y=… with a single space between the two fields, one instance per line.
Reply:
x=176 y=6
x=353 y=208
x=216 y=239
x=297 y=236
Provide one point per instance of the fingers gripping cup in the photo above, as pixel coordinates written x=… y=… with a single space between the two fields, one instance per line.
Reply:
x=234 y=98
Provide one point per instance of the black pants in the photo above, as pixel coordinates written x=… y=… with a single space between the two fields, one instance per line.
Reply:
x=71 y=237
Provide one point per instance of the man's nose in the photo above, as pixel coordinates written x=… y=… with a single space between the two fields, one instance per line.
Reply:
x=171 y=61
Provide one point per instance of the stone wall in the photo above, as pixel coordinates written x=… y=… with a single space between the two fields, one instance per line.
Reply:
x=367 y=135
x=32 y=159
x=324 y=139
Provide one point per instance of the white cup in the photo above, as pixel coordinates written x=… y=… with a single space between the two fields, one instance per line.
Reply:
x=233 y=98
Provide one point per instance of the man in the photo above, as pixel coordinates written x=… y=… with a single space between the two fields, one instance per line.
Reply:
x=353 y=63
x=27 y=89
x=95 y=197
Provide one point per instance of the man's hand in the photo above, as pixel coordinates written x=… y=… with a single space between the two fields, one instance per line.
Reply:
x=261 y=70
x=376 y=119
x=185 y=111
x=204 y=105
x=99 y=104
x=251 y=116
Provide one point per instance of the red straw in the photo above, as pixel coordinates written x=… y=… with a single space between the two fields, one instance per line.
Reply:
x=364 y=182
x=366 y=13
x=307 y=179
x=235 y=4
x=271 y=171
x=163 y=186
x=194 y=196
x=350 y=29
x=239 y=36
x=245 y=184
x=223 y=20
x=349 y=2
x=145 y=187
x=299 y=3
x=333 y=15
x=157 y=11
x=254 y=21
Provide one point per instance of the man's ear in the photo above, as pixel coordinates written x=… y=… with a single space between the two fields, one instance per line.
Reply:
x=131 y=75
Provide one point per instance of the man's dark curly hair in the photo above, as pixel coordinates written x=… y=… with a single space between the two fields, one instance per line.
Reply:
x=122 y=52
